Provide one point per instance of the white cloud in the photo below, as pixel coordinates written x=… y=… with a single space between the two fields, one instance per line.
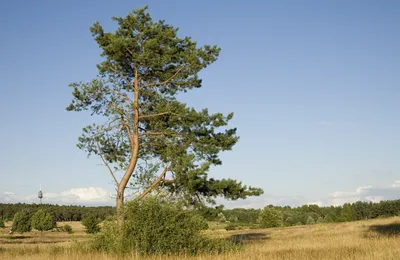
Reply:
x=83 y=196
x=361 y=193
x=396 y=184
x=262 y=201
x=365 y=193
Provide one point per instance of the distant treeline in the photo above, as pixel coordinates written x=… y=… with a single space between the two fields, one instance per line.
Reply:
x=290 y=216
x=59 y=213
x=308 y=214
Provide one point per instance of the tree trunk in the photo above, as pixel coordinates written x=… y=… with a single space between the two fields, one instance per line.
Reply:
x=134 y=141
x=120 y=209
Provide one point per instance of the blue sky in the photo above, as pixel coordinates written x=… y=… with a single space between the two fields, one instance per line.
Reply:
x=314 y=87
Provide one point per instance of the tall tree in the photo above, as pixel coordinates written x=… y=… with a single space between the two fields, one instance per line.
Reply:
x=145 y=128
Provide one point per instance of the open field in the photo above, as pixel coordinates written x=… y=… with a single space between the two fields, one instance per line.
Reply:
x=367 y=240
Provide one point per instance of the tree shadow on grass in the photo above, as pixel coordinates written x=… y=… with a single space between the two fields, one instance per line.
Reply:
x=392 y=229
x=248 y=237
x=17 y=237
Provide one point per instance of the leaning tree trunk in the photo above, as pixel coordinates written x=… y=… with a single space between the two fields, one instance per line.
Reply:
x=134 y=142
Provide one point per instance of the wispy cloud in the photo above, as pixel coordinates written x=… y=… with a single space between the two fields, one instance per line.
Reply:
x=361 y=193
x=366 y=193
x=263 y=200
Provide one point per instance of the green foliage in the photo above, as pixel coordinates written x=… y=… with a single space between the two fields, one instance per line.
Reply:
x=230 y=226
x=21 y=222
x=328 y=219
x=59 y=212
x=310 y=221
x=270 y=217
x=2 y=224
x=67 y=228
x=155 y=226
x=289 y=221
x=42 y=221
x=320 y=220
x=145 y=67
x=348 y=212
x=221 y=217
x=91 y=224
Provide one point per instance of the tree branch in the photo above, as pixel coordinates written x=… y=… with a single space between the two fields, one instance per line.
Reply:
x=128 y=130
x=153 y=185
x=166 y=81
x=125 y=96
x=152 y=115
x=122 y=76
x=107 y=165
x=154 y=133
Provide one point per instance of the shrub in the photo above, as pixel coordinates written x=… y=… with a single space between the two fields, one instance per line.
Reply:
x=154 y=227
x=67 y=228
x=230 y=227
x=270 y=217
x=21 y=222
x=2 y=224
x=42 y=221
x=91 y=224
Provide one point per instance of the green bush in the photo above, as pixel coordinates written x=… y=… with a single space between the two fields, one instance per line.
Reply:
x=157 y=227
x=270 y=217
x=91 y=224
x=67 y=228
x=42 y=221
x=230 y=227
x=21 y=222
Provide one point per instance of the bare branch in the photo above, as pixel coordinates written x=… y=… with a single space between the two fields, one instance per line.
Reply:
x=153 y=185
x=166 y=81
x=153 y=115
x=125 y=96
x=128 y=130
x=108 y=166
x=155 y=133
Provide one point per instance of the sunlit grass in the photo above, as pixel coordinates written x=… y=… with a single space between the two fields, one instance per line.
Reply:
x=366 y=240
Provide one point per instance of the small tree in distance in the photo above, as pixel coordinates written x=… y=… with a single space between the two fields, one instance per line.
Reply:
x=21 y=222
x=42 y=221
x=91 y=224
x=270 y=217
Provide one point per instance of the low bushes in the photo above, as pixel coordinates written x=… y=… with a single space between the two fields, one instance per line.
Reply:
x=154 y=226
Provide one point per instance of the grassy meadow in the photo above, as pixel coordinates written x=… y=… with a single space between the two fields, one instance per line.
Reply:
x=377 y=239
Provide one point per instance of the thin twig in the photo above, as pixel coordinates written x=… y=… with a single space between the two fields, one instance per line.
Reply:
x=108 y=166
x=166 y=81
x=153 y=185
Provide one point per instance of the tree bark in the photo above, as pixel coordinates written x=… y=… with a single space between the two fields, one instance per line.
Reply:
x=134 y=139
x=120 y=208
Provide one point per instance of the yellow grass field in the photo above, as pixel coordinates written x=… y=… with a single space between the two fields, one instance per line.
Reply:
x=364 y=240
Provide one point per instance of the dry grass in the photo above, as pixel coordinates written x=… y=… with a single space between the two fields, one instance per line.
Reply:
x=366 y=240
